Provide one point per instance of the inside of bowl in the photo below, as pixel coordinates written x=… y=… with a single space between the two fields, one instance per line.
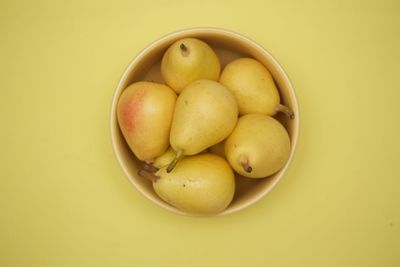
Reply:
x=227 y=49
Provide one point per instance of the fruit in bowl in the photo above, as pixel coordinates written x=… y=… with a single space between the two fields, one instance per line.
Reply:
x=205 y=114
x=144 y=113
x=188 y=60
x=210 y=139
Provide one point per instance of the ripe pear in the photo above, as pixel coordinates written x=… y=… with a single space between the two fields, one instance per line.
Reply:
x=200 y=184
x=258 y=147
x=187 y=60
x=205 y=114
x=253 y=87
x=165 y=158
x=144 y=113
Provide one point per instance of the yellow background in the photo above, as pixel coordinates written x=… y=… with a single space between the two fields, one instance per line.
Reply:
x=64 y=200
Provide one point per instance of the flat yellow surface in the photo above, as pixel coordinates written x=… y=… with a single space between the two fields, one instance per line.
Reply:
x=64 y=200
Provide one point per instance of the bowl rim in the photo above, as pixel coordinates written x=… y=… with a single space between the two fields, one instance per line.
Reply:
x=199 y=31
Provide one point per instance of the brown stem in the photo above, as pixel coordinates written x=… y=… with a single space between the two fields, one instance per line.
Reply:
x=148 y=175
x=288 y=111
x=173 y=163
x=246 y=166
x=184 y=50
x=149 y=167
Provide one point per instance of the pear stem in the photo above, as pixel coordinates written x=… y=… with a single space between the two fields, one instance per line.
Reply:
x=184 y=50
x=148 y=175
x=149 y=167
x=288 y=111
x=246 y=166
x=178 y=156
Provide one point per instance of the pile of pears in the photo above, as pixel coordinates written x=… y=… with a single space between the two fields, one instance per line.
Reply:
x=193 y=132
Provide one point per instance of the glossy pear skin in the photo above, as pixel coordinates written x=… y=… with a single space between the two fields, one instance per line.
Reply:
x=252 y=85
x=187 y=60
x=205 y=114
x=259 y=142
x=200 y=184
x=144 y=113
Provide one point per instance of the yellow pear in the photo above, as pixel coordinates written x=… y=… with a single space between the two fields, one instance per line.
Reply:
x=144 y=113
x=205 y=114
x=165 y=158
x=253 y=87
x=200 y=184
x=187 y=60
x=258 y=147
